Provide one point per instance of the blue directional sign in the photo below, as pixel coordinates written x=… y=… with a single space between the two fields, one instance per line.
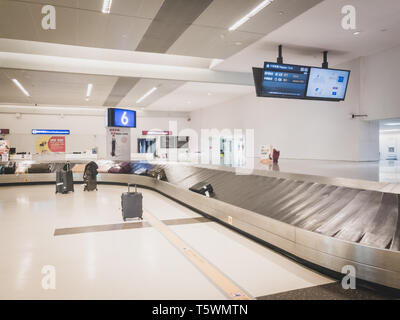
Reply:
x=50 y=131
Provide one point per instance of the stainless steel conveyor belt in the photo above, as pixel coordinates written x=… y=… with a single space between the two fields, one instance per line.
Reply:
x=356 y=215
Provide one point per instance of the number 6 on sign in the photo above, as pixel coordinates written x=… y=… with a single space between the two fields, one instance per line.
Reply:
x=121 y=118
x=124 y=119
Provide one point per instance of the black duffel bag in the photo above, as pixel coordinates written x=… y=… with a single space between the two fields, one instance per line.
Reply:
x=39 y=168
x=10 y=167
x=157 y=173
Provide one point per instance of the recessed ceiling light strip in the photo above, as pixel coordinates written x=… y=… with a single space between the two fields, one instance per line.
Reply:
x=106 y=6
x=19 y=85
x=252 y=13
x=146 y=94
x=89 y=90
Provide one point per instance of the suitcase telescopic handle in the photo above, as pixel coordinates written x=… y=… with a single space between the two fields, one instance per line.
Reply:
x=129 y=187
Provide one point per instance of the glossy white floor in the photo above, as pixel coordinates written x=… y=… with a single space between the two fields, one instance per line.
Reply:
x=126 y=264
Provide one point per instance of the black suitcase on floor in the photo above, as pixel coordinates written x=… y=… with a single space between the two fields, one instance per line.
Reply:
x=64 y=180
x=131 y=204
x=203 y=188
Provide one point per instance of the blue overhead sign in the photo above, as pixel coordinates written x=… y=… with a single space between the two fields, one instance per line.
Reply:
x=47 y=131
x=121 y=118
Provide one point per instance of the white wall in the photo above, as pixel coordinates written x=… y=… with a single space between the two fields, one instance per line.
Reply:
x=86 y=131
x=299 y=128
x=380 y=85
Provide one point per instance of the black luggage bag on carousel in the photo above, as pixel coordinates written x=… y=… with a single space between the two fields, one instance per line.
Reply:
x=157 y=173
x=203 y=188
x=64 y=180
x=131 y=204
x=39 y=168
x=10 y=168
x=90 y=183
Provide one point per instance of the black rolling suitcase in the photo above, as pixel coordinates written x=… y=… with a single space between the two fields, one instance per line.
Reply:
x=131 y=203
x=64 y=180
x=203 y=188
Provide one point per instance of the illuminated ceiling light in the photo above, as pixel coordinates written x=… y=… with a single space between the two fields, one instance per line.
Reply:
x=392 y=124
x=89 y=90
x=252 y=13
x=19 y=85
x=391 y=130
x=146 y=94
x=106 y=6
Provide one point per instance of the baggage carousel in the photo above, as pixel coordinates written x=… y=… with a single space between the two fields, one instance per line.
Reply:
x=327 y=223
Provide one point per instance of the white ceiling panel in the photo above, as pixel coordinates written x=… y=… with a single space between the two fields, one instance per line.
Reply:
x=164 y=87
x=277 y=14
x=124 y=33
x=195 y=95
x=80 y=22
x=207 y=42
x=66 y=31
x=54 y=88
x=223 y=13
x=16 y=21
x=305 y=37
x=138 y=8
x=9 y=91
x=61 y=3
x=209 y=35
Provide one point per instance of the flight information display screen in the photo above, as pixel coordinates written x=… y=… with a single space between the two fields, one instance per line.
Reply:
x=327 y=84
x=284 y=80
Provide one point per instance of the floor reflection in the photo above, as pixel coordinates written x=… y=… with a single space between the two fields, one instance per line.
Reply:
x=381 y=171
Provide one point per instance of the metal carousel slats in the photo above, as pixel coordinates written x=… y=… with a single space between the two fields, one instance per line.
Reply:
x=335 y=223
x=396 y=238
x=293 y=211
x=356 y=225
x=382 y=227
x=312 y=217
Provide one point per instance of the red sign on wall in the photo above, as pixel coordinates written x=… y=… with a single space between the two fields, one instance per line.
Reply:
x=156 y=133
x=57 y=144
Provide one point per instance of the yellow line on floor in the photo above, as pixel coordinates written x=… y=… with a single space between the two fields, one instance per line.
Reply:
x=230 y=289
